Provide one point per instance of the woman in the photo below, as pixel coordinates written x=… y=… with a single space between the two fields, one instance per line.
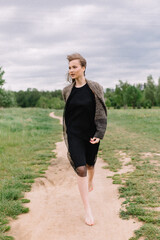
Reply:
x=84 y=124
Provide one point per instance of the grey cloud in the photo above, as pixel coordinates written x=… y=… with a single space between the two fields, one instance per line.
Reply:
x=120 y=40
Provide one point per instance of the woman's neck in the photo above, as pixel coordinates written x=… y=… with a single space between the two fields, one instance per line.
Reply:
x=80 y=81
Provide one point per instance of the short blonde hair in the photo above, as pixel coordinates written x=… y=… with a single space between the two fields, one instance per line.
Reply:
x=82 y=61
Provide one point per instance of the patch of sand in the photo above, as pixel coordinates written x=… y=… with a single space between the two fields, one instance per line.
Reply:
x=149 y=154
x=56 y=209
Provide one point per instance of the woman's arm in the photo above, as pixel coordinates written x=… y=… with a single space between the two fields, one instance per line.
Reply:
x=63 y=95
x=100 y=114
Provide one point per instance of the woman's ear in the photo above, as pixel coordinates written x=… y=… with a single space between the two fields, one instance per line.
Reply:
x=84 y=69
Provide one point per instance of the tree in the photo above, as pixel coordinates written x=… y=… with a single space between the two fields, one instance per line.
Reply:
x=120 y=93
x=57 y=93
x=32 y=96
x=118 y=96
x=108 y=103
x=55 y=103
x=133 y=96
x=21 y=98
x=109 y=96
x=2 y=81
x=140 y=86
x=28 y=98
x=7 y=99
x=158 y=93
x=43 y=102
x=150 y=90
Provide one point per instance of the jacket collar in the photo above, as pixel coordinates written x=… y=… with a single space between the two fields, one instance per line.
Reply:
x=90 y=83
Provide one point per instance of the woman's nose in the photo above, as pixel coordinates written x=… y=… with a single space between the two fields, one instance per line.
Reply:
x=71 y=70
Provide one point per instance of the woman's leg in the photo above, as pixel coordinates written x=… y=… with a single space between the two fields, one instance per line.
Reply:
x=91 y=158
x=90 y=170
x=77 y=153
x=83 y=188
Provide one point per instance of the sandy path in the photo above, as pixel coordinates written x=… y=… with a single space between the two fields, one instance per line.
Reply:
x=56 y=209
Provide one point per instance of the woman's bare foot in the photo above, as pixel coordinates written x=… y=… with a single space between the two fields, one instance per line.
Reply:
x=89 y=220
x=90 y=186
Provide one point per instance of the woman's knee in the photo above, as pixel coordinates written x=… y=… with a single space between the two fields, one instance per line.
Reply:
x=81 y=171
x=90 y=166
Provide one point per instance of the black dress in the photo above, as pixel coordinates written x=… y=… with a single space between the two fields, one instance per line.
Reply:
x=79 y=119
x=80 y=112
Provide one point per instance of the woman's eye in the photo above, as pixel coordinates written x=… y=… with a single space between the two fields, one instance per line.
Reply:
x=72 y=67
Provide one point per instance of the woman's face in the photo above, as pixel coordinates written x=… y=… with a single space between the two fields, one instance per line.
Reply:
x=75 y=69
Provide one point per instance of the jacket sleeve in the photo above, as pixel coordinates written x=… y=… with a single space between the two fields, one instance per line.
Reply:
x=63 y=94
x=100 y=114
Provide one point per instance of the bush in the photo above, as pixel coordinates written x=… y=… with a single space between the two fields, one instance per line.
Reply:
x=118 y=106
x=7 y=98
x=139 y=105
x=43 y=102
x=54 y=102
x=108 y=103
x=147 y=104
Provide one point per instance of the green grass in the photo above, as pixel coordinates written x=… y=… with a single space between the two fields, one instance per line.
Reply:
x=23 y=132
x=27 y=137
x=135 y=132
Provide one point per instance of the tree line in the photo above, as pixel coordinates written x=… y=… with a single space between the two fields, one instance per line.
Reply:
x=124 y=95
x=30 y=97
x=138 y=95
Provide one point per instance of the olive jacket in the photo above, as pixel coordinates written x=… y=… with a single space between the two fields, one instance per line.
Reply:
x=100 y=111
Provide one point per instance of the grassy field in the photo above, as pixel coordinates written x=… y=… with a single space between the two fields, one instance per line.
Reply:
x=136 y=133
x=27 y=137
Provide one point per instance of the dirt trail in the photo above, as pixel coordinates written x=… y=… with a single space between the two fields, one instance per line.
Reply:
x=56 y=209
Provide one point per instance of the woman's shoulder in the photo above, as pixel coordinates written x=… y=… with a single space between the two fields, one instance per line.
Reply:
x=66 y=90
x=94 y=84
x=67 y=87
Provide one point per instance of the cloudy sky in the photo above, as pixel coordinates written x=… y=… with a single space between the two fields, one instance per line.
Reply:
x=119 y=39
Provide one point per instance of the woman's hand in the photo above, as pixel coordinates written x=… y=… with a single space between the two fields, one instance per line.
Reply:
x=94 y=140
